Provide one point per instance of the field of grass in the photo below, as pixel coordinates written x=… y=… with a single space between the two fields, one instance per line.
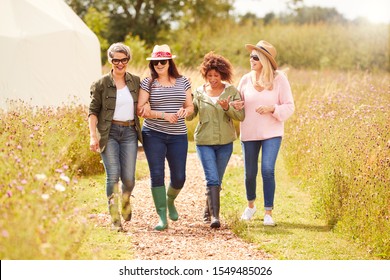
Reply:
x=336 y=154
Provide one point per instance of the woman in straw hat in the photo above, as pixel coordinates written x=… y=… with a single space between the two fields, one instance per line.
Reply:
x=268 y=102
x=164 y=101
x=215 y=132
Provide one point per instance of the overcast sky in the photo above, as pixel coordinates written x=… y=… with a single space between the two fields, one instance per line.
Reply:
x=374 y=10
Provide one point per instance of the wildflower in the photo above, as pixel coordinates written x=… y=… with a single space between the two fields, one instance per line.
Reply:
x=36 y=127
x=19 y=147
x=65 y=178
x=40 y=176
x=59 y=187
x=5 y=233
x=20 y=188
x=45 y=196
x=9 y=193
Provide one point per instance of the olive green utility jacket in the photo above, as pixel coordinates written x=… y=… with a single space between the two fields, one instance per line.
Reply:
x=215 y=126
x=103 y=100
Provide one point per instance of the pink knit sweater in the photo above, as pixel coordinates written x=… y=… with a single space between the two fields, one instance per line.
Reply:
x=259 y=127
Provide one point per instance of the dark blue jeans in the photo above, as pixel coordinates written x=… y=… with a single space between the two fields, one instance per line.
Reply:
x=251 y=151
x=214 y=159
x=119 y=158
x=159 y=146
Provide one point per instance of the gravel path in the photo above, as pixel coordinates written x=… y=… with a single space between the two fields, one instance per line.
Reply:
x=188 y=238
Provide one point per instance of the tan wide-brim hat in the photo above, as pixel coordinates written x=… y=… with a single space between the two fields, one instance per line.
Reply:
x=267 y=49
x=161 y=53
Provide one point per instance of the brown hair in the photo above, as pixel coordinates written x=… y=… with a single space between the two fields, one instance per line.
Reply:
x=172 y=72
x=212 y=61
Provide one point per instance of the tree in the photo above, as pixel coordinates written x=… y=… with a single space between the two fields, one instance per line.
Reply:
x=97 y=22
x=147 y=19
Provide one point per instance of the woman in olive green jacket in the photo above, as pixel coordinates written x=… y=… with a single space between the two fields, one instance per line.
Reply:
x=115 y=129
x=215 y=132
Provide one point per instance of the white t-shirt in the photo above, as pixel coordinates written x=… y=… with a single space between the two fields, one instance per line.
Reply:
x=124 y=107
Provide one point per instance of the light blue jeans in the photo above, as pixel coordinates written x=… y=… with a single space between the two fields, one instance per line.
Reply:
x=214 y=159
x=119 y=158
x=251 y=150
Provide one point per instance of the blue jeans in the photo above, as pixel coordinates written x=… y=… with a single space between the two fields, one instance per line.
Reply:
x=251 y=150
x=214 y=159
x=157 y=147
x=119 y=158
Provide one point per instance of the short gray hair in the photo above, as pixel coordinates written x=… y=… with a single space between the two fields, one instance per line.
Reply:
x=118 y=48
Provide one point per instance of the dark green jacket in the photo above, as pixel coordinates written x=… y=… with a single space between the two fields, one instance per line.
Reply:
x=103 y=100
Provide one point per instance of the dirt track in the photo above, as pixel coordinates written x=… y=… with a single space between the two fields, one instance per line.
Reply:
x=188 y=238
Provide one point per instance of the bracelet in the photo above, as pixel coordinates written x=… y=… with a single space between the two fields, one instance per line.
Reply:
x=162 y=115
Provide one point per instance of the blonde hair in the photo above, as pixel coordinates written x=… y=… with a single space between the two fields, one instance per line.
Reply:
x=268 y=73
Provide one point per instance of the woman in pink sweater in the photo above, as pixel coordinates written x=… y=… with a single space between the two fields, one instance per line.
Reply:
x=268 y=102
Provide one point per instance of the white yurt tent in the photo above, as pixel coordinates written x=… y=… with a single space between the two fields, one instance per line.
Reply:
x=48 y=55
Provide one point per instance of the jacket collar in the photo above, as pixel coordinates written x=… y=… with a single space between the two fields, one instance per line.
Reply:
x=128 y=78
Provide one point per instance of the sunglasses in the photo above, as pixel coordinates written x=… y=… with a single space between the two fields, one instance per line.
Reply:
x=254 y=57
x=156 y=62
x=116 y=61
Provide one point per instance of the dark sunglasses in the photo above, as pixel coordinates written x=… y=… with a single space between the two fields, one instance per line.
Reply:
x=156 y=62
x=254 y=57
x=116 y=61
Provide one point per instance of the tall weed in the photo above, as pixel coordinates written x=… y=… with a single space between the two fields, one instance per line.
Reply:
x=44 y=150
x=338 y=144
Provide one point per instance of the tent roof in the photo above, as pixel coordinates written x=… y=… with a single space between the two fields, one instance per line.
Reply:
x=48 y=54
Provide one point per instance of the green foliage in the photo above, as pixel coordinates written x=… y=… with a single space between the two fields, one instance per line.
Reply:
x=338 y=145
x=97 y=22
x=320 y=46
x=138 y=48
x=305 y=37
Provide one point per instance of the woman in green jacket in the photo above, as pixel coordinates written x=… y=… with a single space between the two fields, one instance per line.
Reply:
x=115 y=129
x=215 y=132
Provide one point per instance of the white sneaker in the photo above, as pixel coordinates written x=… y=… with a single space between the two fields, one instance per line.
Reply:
x=248 y=213
x=268 y=221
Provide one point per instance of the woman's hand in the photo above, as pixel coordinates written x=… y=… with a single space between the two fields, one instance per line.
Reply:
x=171 y=117
x=145 y=110
x=264 y=109
x=94 y=144
x=224 y=103
x=182 y=113
x=237 y=104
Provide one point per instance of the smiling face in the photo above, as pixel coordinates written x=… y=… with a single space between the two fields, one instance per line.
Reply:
x=119 y=63
x=214 y=78
x=161 y=66
x=255 y=61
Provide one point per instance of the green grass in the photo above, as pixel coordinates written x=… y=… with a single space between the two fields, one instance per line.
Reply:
x=332 y=199
x=299 y=234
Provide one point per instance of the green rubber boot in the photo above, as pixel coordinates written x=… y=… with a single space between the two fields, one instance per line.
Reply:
x=171 y=196
x=113 y=208
x=160 y=202
x=126 y=206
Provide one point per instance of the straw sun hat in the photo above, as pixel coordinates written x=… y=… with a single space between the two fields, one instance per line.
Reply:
x=161 y=53
x=267 y=49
